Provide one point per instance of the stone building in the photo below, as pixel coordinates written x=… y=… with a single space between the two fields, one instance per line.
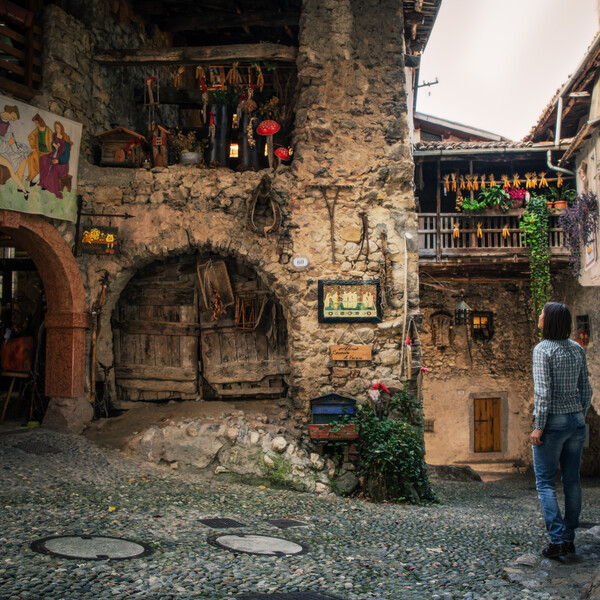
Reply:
x=345 y=204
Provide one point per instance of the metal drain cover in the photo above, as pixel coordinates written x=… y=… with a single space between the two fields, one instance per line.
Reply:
x=291 y=596
x=258 y=544
x=37 y=448
x=91 y=547
x=221 y=523
x=286 y=523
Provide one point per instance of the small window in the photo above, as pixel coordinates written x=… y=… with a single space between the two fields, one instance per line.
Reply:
x=428 y=425
x=482 y=325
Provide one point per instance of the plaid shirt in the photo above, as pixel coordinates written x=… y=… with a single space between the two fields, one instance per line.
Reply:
x=560 y=380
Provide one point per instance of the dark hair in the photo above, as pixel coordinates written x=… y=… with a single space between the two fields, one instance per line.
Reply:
x=557 y=321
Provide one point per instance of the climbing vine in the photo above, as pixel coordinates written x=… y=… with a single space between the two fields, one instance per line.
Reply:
x=535 y=226
x=579 y=223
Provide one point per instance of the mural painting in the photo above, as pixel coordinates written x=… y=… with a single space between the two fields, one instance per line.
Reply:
x=39 y=155
x=349 y=301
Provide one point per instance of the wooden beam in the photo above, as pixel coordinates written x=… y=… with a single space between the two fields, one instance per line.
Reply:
x=17 y=89
x=198 y=55
x=196 y=22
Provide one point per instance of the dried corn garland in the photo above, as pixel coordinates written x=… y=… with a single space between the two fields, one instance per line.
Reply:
x=505 y=232
x=456 y=230
x=234 y=78
x=463 y=185
x=559 y=180
x=260 y=80
x=447 y=183
x=177 y=79
x=479 y=232
x=516 y=182
x=475 y=183
x=492 y=181
x=543 y=180
x=528 y=182
x=469 y=182
x=483 y=182
x=505 y=182
x=453 y=185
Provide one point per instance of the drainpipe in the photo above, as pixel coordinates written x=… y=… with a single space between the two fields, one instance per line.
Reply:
x=559 y=107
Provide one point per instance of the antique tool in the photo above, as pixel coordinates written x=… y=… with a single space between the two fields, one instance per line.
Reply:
x=364 y=239
x=264 y=190
x=331 y=210
x=95 y=312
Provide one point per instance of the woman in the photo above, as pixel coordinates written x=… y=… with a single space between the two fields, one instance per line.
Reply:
x=13 y=154
x=562 y=396
x=55 y=165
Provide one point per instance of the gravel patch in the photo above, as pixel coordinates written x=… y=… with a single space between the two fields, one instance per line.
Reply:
x=458 y=549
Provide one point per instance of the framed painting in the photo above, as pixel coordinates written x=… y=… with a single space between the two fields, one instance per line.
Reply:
x=97 y=239
x=347 y=301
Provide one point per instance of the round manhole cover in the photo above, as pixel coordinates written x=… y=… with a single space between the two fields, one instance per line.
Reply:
x=91 y=547
x=258 y=544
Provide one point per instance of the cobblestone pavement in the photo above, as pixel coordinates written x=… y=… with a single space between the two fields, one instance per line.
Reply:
x=482 y=541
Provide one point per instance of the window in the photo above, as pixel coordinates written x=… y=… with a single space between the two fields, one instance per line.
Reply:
x=482 y=325
x=582 y=335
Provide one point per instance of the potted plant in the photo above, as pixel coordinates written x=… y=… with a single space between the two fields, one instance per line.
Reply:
x=492 y=197
x=186 y=148
x=517 y=196
x=579 y=223
x=561 y=197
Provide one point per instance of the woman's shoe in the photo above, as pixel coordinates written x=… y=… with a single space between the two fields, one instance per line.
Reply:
x=569 y=547
x=554 y=550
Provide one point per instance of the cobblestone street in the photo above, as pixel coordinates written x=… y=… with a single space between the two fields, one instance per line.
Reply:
x=464 y=547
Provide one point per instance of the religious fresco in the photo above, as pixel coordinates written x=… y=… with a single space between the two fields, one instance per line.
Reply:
x=39 y=156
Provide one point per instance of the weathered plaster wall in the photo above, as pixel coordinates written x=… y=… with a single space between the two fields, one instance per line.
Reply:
x=500 y=368
x=351 y=130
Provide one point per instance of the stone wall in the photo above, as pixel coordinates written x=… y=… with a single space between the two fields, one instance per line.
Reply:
x=77 y=87
x=351 y=130
x=498 y=368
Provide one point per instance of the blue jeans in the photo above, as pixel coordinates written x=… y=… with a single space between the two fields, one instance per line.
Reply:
x=562 y=443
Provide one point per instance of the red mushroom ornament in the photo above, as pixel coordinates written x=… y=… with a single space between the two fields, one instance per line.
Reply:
x=282 y=153
x=268 y=128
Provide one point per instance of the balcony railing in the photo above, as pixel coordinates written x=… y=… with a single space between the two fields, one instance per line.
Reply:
x=488 y=234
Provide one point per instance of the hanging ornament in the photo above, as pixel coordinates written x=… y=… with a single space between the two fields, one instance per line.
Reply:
x=505 y=182
x=559 y=180
x=543 y=180
x=505 y=232
x=516 y=181
x=446 y=183
x=459 y=201
x=479 y=232
x=177 y=80
x=483 y=182
x=463 y=185
x=475 y=184
x=234 y=78
x=528 y=183
x=453 y=177
x=456 y=230
x=492 y=180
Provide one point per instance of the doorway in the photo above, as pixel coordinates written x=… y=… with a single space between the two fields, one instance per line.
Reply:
x=488 y=425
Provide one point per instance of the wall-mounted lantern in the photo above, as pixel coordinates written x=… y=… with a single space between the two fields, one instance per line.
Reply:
x=462 y=312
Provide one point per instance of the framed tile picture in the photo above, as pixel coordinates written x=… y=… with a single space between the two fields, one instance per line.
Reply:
x=357 y=301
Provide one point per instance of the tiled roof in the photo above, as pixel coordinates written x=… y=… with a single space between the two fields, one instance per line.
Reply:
x=500 y=145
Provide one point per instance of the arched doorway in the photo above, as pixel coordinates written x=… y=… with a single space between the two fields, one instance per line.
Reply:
x=175 y=338
x=66 y=316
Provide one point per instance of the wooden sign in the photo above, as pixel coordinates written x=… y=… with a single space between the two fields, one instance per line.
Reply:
x=97 y=239
x=350 y=352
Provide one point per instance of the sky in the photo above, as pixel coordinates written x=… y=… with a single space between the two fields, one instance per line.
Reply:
x=499 y=62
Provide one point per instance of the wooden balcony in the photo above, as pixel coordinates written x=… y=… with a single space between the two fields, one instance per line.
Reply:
x=490 y=237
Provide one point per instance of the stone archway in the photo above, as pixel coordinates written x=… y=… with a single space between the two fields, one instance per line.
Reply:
x=66 y=316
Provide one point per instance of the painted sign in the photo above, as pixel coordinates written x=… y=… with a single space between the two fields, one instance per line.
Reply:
x=349 y=301
x=97 y=239
x=350 y=352
x=39 y=156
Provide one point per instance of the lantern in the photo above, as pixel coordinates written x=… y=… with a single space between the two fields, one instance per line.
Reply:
x=462 y=312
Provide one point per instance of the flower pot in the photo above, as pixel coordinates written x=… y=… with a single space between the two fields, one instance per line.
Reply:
x=550 y=204
x=518 y=202
x=334 y=432
x=562 y=204
x=219 y=137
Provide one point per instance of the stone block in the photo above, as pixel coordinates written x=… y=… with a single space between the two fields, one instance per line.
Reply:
x=70 y=415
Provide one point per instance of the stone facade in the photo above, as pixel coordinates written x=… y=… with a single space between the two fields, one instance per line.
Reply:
x=468 y=369
x=351 y=130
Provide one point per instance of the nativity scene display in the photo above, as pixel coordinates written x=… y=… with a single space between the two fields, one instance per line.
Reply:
x=350 y=301
x=39 y=154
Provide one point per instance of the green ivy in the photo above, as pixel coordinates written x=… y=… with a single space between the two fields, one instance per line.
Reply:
x=535 y=226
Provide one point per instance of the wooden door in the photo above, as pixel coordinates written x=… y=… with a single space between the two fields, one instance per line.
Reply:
x=156 y=335
x=488 y=425
x=244 y=364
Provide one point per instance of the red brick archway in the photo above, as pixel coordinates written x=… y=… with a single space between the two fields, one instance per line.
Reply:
x=66 y=316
